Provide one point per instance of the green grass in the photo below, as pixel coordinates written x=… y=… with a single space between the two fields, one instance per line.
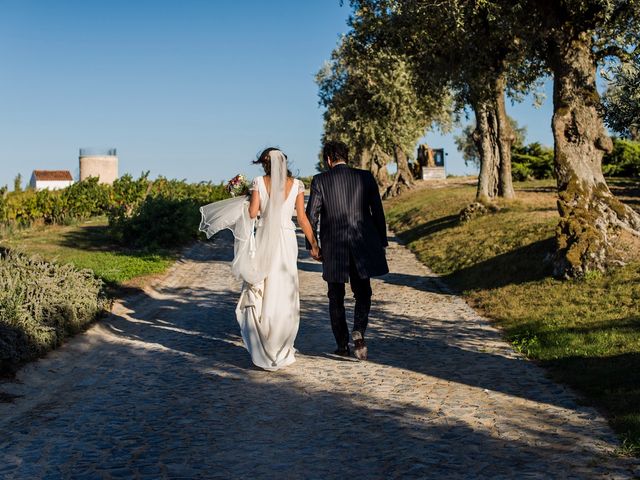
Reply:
x=88 y=245
x=586 y=332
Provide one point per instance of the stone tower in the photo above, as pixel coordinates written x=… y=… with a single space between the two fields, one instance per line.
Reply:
x=101 y=163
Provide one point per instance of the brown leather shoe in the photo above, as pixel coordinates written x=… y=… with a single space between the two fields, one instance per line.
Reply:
x=359 y=346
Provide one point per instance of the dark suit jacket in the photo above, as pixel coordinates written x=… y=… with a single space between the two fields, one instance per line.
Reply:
x=346 y=204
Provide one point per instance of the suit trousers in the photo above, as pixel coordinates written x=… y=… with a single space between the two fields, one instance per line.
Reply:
x=361 y=288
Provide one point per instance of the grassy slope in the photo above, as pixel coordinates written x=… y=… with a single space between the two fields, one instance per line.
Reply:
x=587 y=332
x=87 y=245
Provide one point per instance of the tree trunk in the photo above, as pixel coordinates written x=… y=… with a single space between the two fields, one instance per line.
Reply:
x=494 y=137
x=506 y=137
x=378 y=167
x=590 y=216
x=365 y=159
x=485 y=137
x=404 y=178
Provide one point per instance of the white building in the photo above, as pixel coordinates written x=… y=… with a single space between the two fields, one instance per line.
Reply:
x=50 y=179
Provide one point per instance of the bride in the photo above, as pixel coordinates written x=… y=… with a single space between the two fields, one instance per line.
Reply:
x=265 y=258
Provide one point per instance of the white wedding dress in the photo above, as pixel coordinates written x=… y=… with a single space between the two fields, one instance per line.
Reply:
x=269 y=312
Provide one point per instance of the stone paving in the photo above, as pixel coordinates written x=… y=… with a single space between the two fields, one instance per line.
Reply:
x=162 y=388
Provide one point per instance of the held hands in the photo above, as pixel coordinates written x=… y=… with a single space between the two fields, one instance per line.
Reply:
x=316 y=254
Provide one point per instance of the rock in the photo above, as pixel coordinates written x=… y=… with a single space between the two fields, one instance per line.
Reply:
x=476 y=209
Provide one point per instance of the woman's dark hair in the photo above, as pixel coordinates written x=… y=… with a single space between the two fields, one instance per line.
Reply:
x=337 y=151
x=264 y=159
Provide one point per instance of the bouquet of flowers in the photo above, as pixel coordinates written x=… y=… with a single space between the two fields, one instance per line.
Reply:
x=238 y=186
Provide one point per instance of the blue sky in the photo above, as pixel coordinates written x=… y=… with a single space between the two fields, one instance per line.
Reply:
x=186 y=89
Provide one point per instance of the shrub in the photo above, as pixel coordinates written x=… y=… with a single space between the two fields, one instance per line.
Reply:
x=127 y=193
x=159 y=221
x=168 y=216
x=86 y=198
x=130 y=204
x=51 y=207
x=41 y=304
x=3 y=203
x=519 y=169
x=21 y=208
x=533 y=161
x=78 y=201
x=624 y=160
x=201 y=193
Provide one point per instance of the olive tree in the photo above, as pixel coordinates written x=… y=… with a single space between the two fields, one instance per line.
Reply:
x=466 y=144
x=371 y=104
x=579 y=34
x=470 y=48
x=622 y=99
x=481 y=48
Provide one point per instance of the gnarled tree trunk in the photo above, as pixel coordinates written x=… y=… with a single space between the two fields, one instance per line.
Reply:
x=404 y=178
x=378 y=167
x=364 y=159
x=494 y=137
x=506 y=137
x=590 y=216
x=485 y=137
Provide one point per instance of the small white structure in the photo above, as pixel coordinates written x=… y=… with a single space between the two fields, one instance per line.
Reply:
x=433 y=173
x=101 y=163
x=50 y=179
x=430 y=163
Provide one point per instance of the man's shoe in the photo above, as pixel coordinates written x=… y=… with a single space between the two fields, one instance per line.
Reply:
x=343 y=352
x=360 y=348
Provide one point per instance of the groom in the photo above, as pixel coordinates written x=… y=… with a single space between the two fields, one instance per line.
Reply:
x=345 y=204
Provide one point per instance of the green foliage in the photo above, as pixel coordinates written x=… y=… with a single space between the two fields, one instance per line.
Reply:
x=201 y=193
x=168 y=216
x=369 y=90
x=526 y=342
x=159 y=221
x=41 y=304
x=126 y=192
x=371 y=100
x=129 y=203
x=533 y=161
x=80 y=200
x=520 y=171
x=528 y=162
x=624 y=160
x=86 y=198
x=472 y=49
x=50 y=206
x=622 y=99
x=3 y=203
x=17 y=183
x=467 y=146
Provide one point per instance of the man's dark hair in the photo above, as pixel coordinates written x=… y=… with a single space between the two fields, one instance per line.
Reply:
x=337 y=151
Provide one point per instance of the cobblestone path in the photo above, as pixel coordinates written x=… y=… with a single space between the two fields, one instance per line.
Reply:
x=162 y=388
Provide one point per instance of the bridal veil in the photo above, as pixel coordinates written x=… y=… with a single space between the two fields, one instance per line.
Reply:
x=252 y=258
